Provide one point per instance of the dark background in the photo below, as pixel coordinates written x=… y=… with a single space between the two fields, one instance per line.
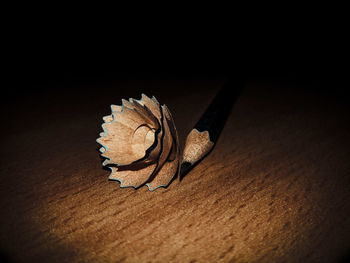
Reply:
x=43 y=61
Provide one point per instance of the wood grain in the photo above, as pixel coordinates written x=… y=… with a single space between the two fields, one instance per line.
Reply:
x=274 y=189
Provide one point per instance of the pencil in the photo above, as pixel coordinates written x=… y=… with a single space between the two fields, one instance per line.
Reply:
x=202 y=138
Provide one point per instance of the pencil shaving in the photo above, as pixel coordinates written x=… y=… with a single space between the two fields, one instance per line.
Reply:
x=140 y=144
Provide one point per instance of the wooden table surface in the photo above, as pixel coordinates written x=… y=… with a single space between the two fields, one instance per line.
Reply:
x=275 y=188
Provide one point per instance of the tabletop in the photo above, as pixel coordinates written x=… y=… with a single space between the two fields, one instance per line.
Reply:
x=275 y=188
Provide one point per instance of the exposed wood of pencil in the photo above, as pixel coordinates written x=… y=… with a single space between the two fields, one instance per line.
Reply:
x=276 y=188
x=197 y=145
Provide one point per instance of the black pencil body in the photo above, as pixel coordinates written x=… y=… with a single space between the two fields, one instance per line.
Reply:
x=206 y=132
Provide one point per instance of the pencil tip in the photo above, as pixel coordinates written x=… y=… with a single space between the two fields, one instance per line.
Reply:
x=185 y=167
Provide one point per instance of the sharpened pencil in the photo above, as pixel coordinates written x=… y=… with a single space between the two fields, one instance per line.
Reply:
x=202 y=138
